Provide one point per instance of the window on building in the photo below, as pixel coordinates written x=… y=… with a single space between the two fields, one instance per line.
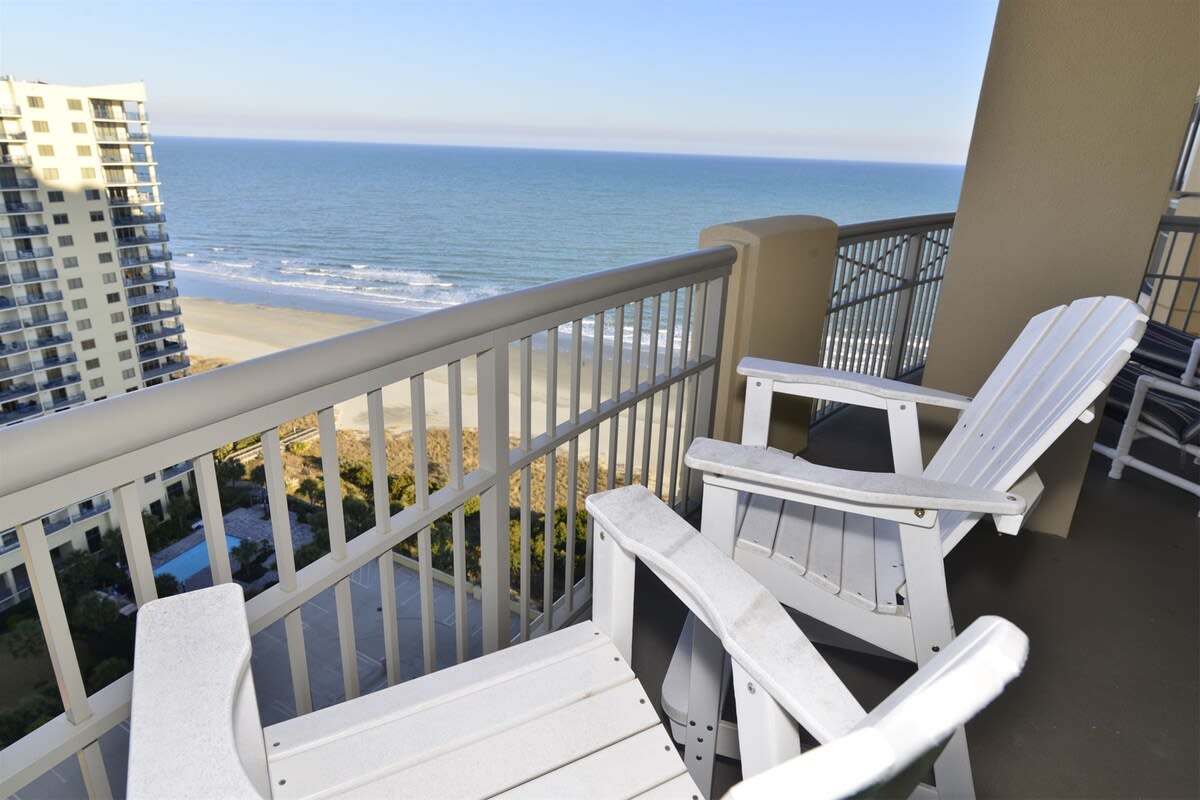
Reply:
x=61 y=219
x=125 y=355
x=79 y=127
x=91 y=194
x=87 y=172
x=41 y=126
x=34 y=102
x=54 y=197
x=121 y=336
x=106 y=258
x=94 y=542
x=96 y=383
x=83 y=324
x=92 y=363
x=83 y=149
x=75 y=283
x=116 y=316
x=45 y=149
x=70 y=261
x=50 y=173
x=100 y=236
x=127 y=374
x=110 y=277
x=88 y=344
x=113 y=297
x=97 y=216
x=79 y=305
x=74 y=104
x=66 y=241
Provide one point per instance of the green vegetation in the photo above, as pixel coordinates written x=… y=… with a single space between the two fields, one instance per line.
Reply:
x=305 y=480
x=103 y=638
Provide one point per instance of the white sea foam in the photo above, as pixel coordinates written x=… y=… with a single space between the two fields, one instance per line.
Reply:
x=413 y=291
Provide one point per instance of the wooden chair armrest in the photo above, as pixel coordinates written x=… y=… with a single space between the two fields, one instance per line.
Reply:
x=800 y=379
x=193 y=695
x=751 y=624
x=908 y=726
x=871 y=492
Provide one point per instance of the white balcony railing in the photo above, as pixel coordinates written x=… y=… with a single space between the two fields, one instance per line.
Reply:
x=627 y=360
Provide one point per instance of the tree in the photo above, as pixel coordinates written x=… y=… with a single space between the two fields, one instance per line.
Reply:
x=358 y=515
x=25 y=639
x=79 y=575
x=106 y=672
x=310 y=488
x=178 y=511
x=167 y=585
x=30 y=713
x=230 y=470
x=357 y=473
x=245 y=552
x=92 y=614
x=259 y=475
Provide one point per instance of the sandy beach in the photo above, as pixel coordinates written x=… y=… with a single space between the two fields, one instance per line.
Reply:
x=238 y=332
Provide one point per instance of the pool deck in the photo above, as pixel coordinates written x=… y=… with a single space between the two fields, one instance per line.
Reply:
x=244 y=523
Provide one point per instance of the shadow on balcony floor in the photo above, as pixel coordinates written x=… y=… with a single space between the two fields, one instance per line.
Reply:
x=1107 y=706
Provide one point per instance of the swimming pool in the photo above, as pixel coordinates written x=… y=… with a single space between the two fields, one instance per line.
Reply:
x=192 y=560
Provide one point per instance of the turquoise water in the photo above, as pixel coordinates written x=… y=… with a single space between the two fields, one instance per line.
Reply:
x=390 y=231
x=192 y=560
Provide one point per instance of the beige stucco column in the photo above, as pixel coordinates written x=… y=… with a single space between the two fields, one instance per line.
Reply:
x=777 y=298
x=1080 y=119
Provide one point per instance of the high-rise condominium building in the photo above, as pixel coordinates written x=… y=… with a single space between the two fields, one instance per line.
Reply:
x=87 y=295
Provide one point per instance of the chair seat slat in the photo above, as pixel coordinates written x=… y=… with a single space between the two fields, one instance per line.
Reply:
x=858 y=561
x=825 y=552
x=759 y=526
x=795 y=534
x=628 y=768
x=523 y=752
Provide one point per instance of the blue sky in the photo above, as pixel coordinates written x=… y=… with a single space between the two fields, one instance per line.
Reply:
x=854 y=80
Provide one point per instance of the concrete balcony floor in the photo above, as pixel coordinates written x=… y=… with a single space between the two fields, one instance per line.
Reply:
x=1108 y=705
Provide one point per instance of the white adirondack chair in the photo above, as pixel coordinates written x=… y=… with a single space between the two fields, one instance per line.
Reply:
x=559 y=716
x=862 y=552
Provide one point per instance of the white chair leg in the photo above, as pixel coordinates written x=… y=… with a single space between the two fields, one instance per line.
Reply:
x=952 y=770
x=767 y=735
x=933 y=629
x=706 y=696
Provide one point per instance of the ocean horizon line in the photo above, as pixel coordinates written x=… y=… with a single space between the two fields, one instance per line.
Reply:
x=568 y=150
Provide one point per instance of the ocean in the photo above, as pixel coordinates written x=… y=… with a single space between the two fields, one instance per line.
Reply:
x=391 y=231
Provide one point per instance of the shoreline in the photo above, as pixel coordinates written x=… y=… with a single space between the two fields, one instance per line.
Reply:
x=233 y=332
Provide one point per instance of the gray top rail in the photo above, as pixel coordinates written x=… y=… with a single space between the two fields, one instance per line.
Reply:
x=1172 y=222
x=127 y=423
x=900 y=225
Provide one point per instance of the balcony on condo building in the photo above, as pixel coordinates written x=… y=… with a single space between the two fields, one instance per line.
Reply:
x=458 y=526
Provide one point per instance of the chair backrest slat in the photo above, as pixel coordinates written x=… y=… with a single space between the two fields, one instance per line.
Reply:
x=1058 y=366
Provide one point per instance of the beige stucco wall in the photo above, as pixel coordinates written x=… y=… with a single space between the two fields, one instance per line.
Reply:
x=778 y=293
x=1081 y=114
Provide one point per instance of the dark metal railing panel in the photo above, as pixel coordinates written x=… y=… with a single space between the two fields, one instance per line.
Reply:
x=883 y=297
